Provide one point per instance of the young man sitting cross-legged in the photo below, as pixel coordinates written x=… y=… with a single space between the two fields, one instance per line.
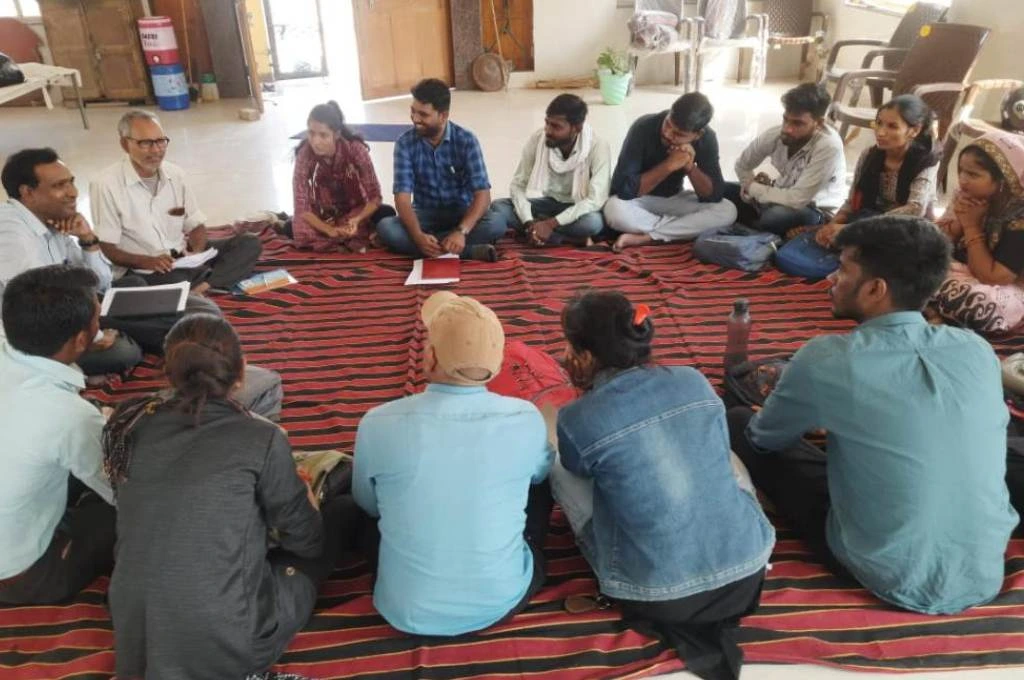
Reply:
x=457 y=477
x=911 y=499
x=56 y=521
x=562 y=180
x=648 y=203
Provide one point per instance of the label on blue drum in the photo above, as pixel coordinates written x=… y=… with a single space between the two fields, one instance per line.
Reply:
x=170 y=85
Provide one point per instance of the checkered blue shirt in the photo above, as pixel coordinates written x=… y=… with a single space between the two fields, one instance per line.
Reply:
x=445 y=177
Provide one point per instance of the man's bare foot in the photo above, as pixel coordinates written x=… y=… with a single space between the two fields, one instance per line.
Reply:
x=630 y=240
x=201 y=289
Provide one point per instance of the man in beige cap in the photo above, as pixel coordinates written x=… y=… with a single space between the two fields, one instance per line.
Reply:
x=449 y=473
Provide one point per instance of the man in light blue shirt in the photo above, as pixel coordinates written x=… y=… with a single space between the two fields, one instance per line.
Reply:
x=456 y=475
x=40 y=225
x=55 y=535
x=912 y=501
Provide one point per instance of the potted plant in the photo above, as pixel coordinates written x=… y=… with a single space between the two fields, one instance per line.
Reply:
x=613 y=76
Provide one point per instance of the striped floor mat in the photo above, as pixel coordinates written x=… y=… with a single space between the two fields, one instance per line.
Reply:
x=347 y=338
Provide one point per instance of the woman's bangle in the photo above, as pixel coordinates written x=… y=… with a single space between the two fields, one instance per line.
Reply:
x=971 y=240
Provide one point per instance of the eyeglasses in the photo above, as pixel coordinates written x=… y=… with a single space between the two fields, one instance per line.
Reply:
x=148 y=144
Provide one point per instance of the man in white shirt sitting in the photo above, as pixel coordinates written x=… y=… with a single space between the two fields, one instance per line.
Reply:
x=146 y=215
x=39 y=225
x=808 y=156
x=56 y=519
x=562 y=180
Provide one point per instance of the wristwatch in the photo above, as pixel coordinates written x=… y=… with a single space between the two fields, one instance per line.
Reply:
x=464 y=231
x=89 y=243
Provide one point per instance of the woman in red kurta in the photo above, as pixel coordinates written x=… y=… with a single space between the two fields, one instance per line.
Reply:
x=337 y=194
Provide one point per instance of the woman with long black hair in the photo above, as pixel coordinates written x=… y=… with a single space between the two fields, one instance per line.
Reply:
x=220 y=545
x=337 y=194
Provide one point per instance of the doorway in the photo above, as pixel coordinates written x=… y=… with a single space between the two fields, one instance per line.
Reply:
x=296 y=32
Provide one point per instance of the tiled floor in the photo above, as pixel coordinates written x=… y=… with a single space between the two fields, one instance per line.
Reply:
x=239 y=167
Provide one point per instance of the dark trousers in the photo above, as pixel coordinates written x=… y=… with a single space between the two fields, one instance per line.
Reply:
x=700 y=627
x=778 y=219
x=236 y=257
x=795 y=480
x=82 y=548
x=120 y=357
x=439 y=222
x=586 y=226
x=341 y=518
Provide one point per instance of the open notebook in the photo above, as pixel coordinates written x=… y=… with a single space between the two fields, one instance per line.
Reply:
x=124 y=303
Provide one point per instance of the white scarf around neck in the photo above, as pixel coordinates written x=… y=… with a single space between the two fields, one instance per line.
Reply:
x=547 y=160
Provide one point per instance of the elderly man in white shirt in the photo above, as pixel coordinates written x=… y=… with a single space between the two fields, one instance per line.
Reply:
x=146 y=215
x=562 y=180
x=808 y=156
x=56 y=519
x=39 y=225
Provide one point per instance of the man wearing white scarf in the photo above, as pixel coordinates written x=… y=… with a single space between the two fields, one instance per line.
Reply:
x=562 y=180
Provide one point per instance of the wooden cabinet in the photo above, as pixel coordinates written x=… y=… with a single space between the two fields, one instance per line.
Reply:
x=100 y=38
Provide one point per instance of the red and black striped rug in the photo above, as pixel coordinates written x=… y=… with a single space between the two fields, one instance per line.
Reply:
x=347 y=338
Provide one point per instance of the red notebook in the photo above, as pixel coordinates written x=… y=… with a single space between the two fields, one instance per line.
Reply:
x=442 y=268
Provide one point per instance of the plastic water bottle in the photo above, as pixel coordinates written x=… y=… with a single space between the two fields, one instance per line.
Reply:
x=737 y=334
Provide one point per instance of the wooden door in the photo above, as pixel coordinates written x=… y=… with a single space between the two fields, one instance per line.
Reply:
x=400 y=43
x=115 y=37
x=515 y=25
x=68 y=38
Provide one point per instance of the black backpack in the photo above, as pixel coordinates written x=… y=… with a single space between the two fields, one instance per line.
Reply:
x=10 y=74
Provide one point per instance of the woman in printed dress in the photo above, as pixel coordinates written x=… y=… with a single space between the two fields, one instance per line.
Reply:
x=985 y=222
x=337 y=194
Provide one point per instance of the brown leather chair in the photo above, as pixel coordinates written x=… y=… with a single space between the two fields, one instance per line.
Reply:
x=944 y=54
x=791 y=24
x=893 y=51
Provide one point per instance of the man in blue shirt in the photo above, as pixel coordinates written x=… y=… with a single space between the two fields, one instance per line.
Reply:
x=648 y=203
x=912 y=501
x=56 y=521
x=40 y=225
x=449 y=473
x=442 y=193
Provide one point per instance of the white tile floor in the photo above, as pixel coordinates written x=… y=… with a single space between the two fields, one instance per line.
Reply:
x=239 y=167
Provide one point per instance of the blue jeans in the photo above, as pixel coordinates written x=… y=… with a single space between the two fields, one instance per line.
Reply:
x=778 y=219
x=439 y=222
x=586 y=226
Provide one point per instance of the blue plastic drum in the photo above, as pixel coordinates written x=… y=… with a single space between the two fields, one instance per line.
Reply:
x=170 y=86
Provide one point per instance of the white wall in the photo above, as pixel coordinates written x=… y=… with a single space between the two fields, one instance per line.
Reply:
x=1000 y=57
x=569 y=34
x=849 y=23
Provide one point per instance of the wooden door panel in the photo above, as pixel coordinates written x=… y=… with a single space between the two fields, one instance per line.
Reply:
x=517 y=47
x=112 y=25
x=401 y=42
x=69 y=42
